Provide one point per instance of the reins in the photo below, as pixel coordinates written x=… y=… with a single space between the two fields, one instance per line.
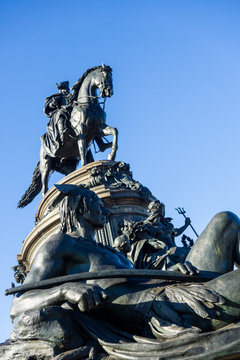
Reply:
x=92 y=99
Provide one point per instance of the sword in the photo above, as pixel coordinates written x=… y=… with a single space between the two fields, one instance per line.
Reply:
x=183 y=212
x=115 y=274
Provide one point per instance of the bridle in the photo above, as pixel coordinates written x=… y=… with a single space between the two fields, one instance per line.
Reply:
x=92 y=98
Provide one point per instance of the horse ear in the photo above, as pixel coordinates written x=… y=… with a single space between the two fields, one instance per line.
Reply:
x=103 y=65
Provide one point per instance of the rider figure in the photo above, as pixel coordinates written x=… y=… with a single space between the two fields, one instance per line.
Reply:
x=57 y=108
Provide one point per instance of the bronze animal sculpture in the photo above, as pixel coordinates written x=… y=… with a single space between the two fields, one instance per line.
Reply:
x=76 y=120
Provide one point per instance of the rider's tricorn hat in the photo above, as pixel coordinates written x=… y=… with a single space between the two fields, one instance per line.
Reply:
x=63 y=85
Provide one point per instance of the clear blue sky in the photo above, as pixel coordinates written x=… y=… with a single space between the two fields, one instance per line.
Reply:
x=176 y=78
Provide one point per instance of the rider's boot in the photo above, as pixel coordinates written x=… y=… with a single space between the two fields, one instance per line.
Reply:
x=62 y=129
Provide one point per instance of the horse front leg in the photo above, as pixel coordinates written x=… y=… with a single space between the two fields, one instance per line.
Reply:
x=109 y=130
x=45 y=168
x=82 y=145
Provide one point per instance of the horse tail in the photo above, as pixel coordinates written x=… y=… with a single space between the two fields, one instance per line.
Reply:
x=33 y=190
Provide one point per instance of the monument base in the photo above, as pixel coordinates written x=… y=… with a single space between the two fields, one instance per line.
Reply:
x=223 y=344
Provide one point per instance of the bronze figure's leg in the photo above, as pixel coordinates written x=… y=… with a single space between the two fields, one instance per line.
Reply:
x=45 y=168
x=109 y=130
x=89 y=157
x=82 y=146
x=101 y=144
x=78 y=122
x=217 y=248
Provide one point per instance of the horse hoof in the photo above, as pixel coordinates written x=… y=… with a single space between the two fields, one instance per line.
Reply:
x=111 y=156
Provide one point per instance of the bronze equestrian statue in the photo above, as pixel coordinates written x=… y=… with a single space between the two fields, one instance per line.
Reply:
x=76 y=120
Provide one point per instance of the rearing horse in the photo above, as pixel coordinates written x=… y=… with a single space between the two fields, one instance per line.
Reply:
x=87 y=122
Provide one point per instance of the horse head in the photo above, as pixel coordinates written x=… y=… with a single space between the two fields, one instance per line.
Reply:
x=103 y=80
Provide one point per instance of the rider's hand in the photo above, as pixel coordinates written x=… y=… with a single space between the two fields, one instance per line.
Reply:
x=187 y=221
x=186 y=268
x=87 y=297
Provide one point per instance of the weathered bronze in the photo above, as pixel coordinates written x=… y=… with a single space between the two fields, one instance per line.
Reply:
x=19 y=273
x=75 y=121
x=152 y=241
x=183 y=212
x=115 y=274
x=116 y=309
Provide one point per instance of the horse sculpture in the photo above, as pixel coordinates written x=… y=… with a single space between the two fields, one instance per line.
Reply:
x=86 y=123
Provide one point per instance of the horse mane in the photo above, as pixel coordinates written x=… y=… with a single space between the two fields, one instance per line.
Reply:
x=75 y=88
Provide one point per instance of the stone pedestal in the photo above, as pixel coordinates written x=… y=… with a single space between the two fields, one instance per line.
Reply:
x=112 y=181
